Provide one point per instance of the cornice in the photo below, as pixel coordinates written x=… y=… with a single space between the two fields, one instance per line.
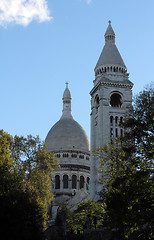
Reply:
x=110 y=83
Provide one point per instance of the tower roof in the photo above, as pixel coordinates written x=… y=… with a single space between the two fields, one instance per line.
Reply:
x=110 y=54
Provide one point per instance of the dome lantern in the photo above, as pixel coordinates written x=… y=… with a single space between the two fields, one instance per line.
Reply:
x=67 y=112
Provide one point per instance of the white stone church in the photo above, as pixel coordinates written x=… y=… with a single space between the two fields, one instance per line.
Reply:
x=111 y=97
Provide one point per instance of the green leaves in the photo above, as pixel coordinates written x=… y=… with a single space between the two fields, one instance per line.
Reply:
x=126 y=173
x=87 y=214
x=26 y=169
x=141 y=125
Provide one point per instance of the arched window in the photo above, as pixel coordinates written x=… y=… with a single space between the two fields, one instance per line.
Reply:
x=57 y=182
x=116 y=100
x=81 y=182
x=97 y=101
x=116 y=120
x=74 y=181
x=121 y=120
x=65 y=181
x=111 y=120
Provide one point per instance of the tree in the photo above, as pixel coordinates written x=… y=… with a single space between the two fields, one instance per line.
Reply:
x=37 y=165
x=7 y=180
x=88 y=214
x=126 y=169
x=21 y=216
x=140 y=123
x=25 y=185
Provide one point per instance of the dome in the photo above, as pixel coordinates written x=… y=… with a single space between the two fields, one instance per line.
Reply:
x=67 y=135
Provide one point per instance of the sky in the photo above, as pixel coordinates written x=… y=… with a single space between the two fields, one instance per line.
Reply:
x=46 y=43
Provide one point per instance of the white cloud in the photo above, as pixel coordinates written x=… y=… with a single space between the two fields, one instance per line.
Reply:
x=23 y=12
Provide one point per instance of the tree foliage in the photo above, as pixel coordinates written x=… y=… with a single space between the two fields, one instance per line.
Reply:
x=140 y=123
x=88 y=214
x=25 y=183
x=21 y=216
x=37 y=165
x=126 y=169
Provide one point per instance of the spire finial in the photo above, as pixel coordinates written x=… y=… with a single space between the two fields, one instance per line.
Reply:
x=66 y=84
x=109 y=21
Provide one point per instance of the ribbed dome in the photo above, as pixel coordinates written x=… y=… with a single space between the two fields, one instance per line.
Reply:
x=67 y=135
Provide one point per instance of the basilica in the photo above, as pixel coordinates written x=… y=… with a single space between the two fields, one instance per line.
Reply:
x=111 y=97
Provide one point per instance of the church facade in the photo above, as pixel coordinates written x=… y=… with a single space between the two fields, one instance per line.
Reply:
x=111 y=97
x=68 y=140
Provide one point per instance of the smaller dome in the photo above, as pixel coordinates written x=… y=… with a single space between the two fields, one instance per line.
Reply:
x=68 y=135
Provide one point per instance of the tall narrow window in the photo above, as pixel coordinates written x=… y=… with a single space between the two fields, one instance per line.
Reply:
x=74 y=181
x=121 y=132
x=97 y=101
x=57 y=182
x=111 y=120
x=121 y=120
x=116 y=120
x=65 y=181
x=116 y=132
x=87 y=184
x=111 y=134
x=81 y=182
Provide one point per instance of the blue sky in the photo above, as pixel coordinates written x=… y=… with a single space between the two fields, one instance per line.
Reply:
x=43 y=44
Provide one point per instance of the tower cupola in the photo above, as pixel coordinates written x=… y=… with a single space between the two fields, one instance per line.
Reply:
x=110 y=34
x=110 y=61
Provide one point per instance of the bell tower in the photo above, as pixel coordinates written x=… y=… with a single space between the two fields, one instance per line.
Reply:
x=111 y=97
